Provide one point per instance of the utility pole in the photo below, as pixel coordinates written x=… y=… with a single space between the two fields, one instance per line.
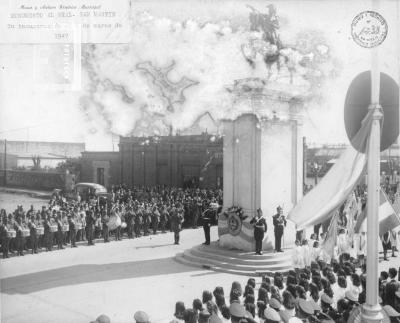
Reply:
x=372 y=309
x=304 y=163
x=5 y=162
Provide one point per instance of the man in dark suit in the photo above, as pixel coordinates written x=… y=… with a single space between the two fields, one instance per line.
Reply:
x=260 y=227
x=279 y=222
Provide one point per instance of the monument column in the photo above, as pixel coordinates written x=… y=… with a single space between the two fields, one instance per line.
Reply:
x=263 y=163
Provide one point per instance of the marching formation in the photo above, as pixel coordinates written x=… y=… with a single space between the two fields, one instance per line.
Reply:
x=130 y=212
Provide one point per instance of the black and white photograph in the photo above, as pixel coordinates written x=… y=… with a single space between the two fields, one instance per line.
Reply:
x=199 y=161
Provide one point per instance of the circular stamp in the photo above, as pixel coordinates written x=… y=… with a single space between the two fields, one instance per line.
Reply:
x=369 y=29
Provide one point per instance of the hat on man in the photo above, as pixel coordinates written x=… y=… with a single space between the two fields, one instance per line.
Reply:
x=306 y=307
x=351 y=295
x=237 y=310
x=141 y=317
x=274 y=303
x=102 y=319
x=390 y=311
x=272 y=315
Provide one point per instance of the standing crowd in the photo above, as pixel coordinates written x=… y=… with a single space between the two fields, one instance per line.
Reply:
x=130 y=212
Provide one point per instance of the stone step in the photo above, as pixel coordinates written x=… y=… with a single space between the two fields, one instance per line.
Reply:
x=259 y=260
x=248 y=267
x=215 y=249
x=234 y=271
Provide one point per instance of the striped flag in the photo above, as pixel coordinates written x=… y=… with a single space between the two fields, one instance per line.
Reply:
x=388 y=216
x=328 y=245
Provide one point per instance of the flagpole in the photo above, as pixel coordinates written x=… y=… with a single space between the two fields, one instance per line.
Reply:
x=372 y=309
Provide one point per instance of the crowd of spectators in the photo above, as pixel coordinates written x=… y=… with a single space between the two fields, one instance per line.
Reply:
x=320 y=293
x=127 y=212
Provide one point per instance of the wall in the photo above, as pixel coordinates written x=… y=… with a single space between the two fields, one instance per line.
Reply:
x=11 y=161
x=23 y=148
x=35 y=179
x=110 y=161
x=171 y=160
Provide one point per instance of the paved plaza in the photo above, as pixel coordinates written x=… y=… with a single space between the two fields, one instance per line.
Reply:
x=117 y=279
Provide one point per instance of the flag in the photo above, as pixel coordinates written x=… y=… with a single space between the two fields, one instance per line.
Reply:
x=336 y=186
x=388 y=218
x=351 y=210
x=328 y=245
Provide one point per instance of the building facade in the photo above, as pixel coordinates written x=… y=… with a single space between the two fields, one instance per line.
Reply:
x=180 y=161
x=102 y=167
x=49 y=153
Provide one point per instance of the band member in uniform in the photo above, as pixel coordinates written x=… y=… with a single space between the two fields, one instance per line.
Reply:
x=104 y=220
x=176 y=223
x=48 y=237
x=206 y=218
x=20 y=238
x=90 y=221
x=4 y=237
x=138 y=221
x=33 y=234
x=72 y=230
x=155 y=219
x=129 y=219
x=59 y=234
x=279 y=225
x=163 y=218
x=260 y=227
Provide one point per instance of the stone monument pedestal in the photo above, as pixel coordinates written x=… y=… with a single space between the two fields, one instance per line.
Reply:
x=263 y=167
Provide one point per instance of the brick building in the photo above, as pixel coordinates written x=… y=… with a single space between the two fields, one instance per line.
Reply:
x=180 y=161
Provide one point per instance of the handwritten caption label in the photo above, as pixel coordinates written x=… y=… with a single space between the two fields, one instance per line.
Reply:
x=40 y=21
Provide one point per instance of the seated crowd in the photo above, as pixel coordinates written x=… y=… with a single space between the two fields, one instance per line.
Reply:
x=322 y=293
x=129 y=212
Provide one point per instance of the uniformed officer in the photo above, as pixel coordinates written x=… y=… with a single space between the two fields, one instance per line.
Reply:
x=59 y=233
x=163 y=218
x=20 y=238
x=72 y=230
x=104 y=221
x=33 y=234
x=260 y=227
x=279 y=222
x=4 y=238
x=155 y=219
x=206 y=219
x=138 y=221
x=89 y=225
x=129 y=219
x=176 y=222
